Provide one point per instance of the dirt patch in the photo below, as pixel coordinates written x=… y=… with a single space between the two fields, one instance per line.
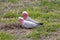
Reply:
x=9 y=26
x=15 y=29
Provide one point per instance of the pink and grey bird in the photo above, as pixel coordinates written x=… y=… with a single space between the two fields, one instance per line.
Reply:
x=27 y=24
x=26 y=17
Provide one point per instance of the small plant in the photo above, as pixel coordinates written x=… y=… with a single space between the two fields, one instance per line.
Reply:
x=13 y=1
x=6 y=20
x=10 y=15
x=5 y=36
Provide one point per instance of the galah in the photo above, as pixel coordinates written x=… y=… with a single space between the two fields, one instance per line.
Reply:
x=27 y=24
x=26 y=17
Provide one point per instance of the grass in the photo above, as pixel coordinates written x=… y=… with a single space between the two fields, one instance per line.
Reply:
x=50 y=20
x=5 y=36
x=42 y=31
x=47 y=6
x=13 y=1
x=51 y=24
x=8 y=20
x=42 y=12
x=11 y=14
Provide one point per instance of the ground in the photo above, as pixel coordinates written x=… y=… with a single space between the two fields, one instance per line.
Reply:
x=21 y=32
x=45 y=11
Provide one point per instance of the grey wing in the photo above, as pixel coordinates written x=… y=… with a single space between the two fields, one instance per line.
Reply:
x=30 y=25
x=29 y=19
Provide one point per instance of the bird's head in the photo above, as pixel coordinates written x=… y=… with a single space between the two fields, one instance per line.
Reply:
x=20 y=19
x=25 y=14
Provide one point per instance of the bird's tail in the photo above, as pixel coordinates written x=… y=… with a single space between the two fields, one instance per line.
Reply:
x=40 y=23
